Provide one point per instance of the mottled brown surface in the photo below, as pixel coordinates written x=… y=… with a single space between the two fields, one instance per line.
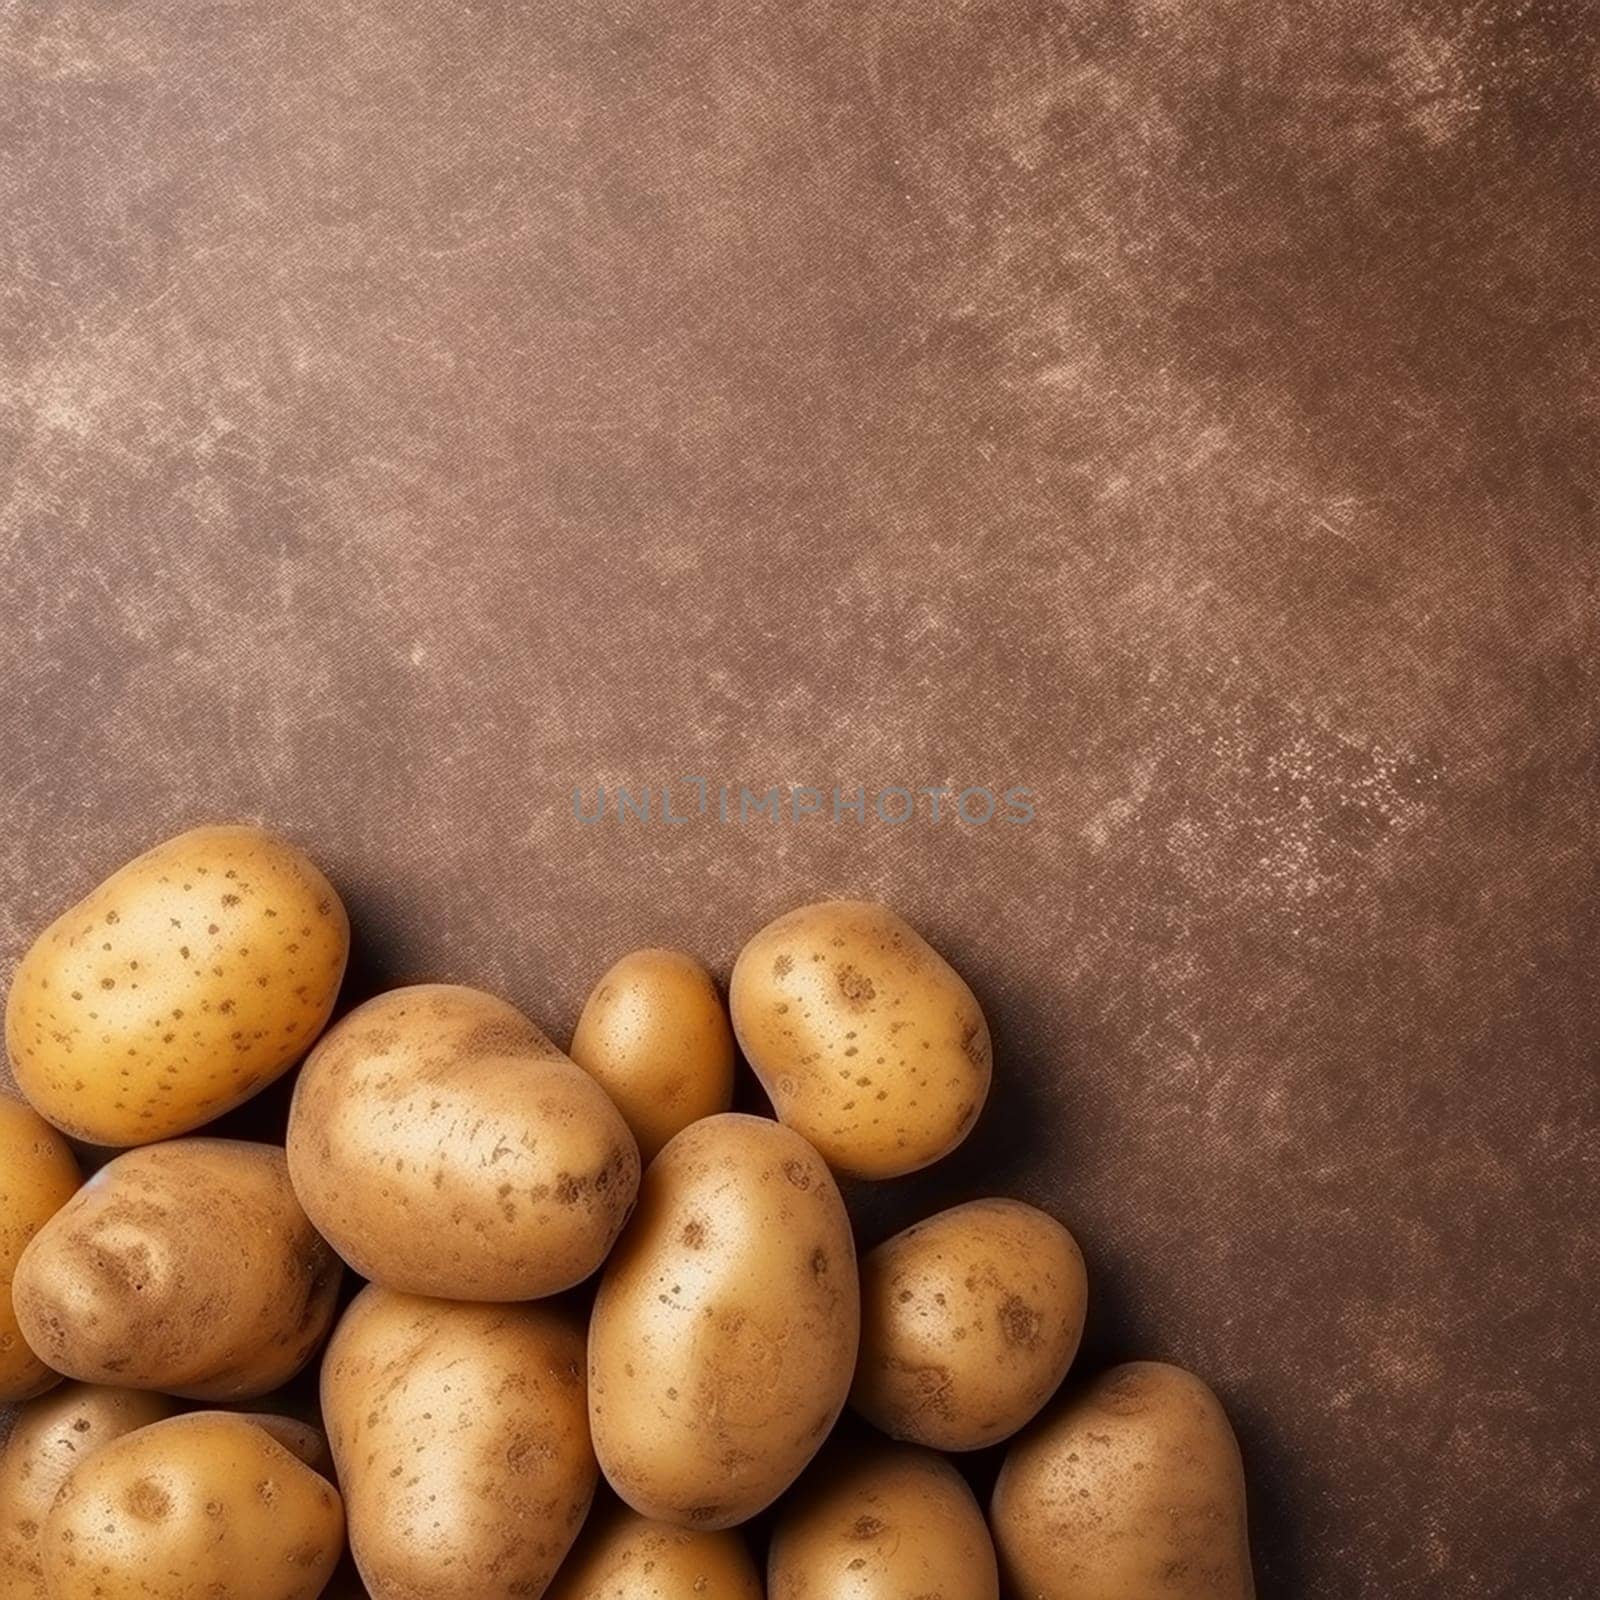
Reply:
x=409 y=411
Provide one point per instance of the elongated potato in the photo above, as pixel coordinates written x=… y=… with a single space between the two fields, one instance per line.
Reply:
x=445 y=1147
x=1131 y=1487
x=187 y=1267
x=623 y=1556
x=655 y=1036
x=724 y=1334
x=864 y=1036
x=460 y=1437
x=214 y=1503
x=969 y=1322
x=183 y=984
x=38 y=1175
x=52 y=1435
x=887 y=1522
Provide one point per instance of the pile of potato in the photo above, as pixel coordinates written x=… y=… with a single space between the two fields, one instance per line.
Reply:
x=441 y=1147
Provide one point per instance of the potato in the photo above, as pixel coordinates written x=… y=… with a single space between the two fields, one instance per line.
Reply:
x=186 y=982
x=863 y=1035
x=654 y=1035
x=38 y=1175
x=1130 y=1488
x=623 y=1556
x=886 y=1522
x=215 y=1503
x=461 y=1442
x=445 y=1147
x=52 y=1435
x=187 y=1267
x=724 y=1334
x=969 y=1322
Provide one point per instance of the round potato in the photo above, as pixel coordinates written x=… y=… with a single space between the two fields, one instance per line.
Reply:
x=1130 y=1488
x=724 y=1334
x=186 y=982
x=969 y=1322
x=52 y=1436
x=863 y=1035
x=461 y=1442
x=445 y=1147
x=623 y=1556
x=654 y=1035
x=887 y=1522
x=215 y=1503
x=38 y=1175
x=187 y=1267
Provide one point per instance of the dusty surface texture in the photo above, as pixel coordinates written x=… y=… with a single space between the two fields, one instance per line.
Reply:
x=409 y=412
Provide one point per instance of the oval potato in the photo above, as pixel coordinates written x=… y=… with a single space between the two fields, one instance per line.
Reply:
x=724 y=1334
x=38 y=1175
x=1129 y=1488
x=445 y=1147
x=52 y=1435
x=969 y=1322
x=214 y=1503
x=654 y=1035
x=187 y=1267
x=461 y=1441
x=866 y=1039
x=623 y=1556
x=187 y=981
x=892 y=1522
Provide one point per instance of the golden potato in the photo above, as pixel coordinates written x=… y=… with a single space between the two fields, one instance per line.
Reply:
x=655 y=1036
x=969 y=1322
x=1130 y=1488
x=38 y=1175
x=186 y=982
x=623 y=1556
x=863 y=1035
x=887 y=1522
x=210 y=1504
x=187 y=1267
x=52 y=1436
x=445 y=1147
x=724 y=1334
x=461 y=1442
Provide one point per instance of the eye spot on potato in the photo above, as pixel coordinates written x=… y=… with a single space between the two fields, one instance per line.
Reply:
x=866 y=1528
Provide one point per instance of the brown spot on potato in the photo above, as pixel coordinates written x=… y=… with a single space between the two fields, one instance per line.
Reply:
x=856 y=986
x=147 y=1501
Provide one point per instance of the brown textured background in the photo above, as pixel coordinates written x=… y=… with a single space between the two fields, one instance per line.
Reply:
x=412 y=410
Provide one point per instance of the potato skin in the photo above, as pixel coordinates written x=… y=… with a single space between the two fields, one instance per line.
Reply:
x=445 y=1147
x=1130 y=1488
x=461 y=1441
x=196 y=1506
x=623 y=1556
x=866 y=1039
x=52 y=1436
x=38 y=1175
x=969 y=1322
x=654 y=1035
x=724 y=1334
x=187 y=981
x=187 y=1267
x=892 y=1522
